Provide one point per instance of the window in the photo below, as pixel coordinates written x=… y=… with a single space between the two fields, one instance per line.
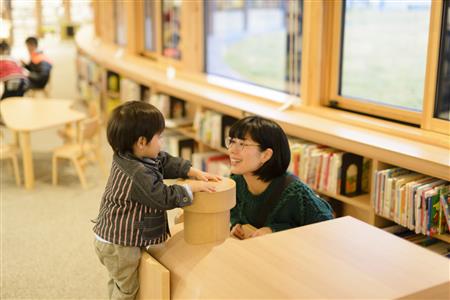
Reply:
x=258 y=42
x=149 y=26
x=442 y=109
x=120 y=36
x=384 y=51
x=171 y=25
x=81 y=11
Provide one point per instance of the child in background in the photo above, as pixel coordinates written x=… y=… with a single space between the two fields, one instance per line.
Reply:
x=11 y=73
x=133 y=208
x=39 y=66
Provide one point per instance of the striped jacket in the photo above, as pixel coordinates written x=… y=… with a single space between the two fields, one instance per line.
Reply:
x=133 y=207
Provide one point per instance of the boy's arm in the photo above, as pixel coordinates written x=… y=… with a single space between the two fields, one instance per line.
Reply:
x=148 y=190
x=174 y=167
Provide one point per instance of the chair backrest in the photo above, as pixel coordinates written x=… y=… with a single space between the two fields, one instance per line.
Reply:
x=5 y=148
x=89 y=131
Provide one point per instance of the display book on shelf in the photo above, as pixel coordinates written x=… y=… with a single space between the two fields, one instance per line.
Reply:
x=323 y=170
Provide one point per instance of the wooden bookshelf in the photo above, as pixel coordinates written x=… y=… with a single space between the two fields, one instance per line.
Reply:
x=443 y=237
x=361 y=201
x=190 y=132
x=394 y=144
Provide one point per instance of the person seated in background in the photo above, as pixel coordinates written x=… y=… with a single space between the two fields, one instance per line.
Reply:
x=11 y=74
x=39 y=66
x=267 y=197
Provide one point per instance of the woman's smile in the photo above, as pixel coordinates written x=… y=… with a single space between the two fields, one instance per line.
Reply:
x=234 y=161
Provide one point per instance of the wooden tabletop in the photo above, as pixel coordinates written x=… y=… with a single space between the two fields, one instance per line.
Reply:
x=29 y=114
x=341 y=258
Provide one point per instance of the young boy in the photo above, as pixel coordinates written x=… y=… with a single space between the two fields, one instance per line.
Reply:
x=39 y=65
x=133 y=208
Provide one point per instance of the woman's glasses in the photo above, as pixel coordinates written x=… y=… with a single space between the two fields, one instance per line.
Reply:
x=237 y=143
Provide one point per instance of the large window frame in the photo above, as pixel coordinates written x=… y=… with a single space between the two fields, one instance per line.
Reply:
x=424 y=119
x=320 y=69
x=191 y=29
x=429 y=122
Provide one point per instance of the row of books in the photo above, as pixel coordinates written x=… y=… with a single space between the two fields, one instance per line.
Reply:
x=171 y=107
x=413 y=200
x=329 y=170
x=178 y=145
x=88 y=91
x=129 y=90
x=212 y=127
x=212 y=162
x=89 y=70
x=432 y=244
x=182 y=146
x=121 y=89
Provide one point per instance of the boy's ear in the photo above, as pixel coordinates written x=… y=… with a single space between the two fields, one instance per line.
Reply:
x=142 y=141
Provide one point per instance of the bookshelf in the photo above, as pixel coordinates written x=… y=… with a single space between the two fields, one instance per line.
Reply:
x=378 y=141
x=400 y=195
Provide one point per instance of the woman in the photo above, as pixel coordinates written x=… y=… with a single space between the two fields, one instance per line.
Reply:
x=268 y=197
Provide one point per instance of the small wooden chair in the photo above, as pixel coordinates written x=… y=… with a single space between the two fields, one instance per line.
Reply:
x=86 y=149
x=40 y=93
x=10 y=151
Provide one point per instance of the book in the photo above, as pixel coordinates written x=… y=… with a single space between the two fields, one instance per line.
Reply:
x=351 y=174
x=177 y=108
x=112 y=82
x=445 y=206
x=145 y=93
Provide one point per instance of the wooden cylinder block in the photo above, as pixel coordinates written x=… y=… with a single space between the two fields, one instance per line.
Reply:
x=207 y=220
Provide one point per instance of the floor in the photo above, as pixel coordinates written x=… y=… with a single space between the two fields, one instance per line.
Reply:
x=46 y=233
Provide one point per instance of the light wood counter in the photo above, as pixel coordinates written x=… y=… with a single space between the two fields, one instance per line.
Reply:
x=343 y=258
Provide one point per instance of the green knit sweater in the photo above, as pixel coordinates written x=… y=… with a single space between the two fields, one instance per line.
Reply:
x=298 y=205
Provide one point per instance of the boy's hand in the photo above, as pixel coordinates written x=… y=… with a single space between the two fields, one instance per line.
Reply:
x=202 y=186
x=203 y=176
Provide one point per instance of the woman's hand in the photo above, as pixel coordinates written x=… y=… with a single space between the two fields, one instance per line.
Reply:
x=238 y=232
x=261 y=231
x=203 y=176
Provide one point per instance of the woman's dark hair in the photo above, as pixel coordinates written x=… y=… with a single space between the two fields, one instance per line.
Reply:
x=267 y=134
x=130 y=121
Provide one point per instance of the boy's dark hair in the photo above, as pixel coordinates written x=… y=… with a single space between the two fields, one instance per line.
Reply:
x=130 y=121
x=267 y=134
x=32 y=41
x=4 y=47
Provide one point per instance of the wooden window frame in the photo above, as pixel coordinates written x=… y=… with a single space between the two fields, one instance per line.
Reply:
x=191 y=29
x=380 y=110
x=321 y=46
x=140 y=30
x=429 y=122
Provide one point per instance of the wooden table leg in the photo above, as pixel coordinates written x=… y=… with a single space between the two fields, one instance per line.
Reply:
x=28 y=171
